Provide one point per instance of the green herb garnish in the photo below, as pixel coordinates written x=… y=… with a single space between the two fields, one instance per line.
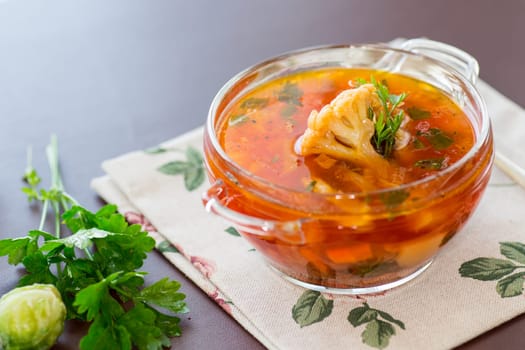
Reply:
x=437 y=138
x=311 y=186
x=418 y=144
x=95 y=267
x=386 y=122
x=418 y=114
x=290 y=94
x=431 y=164
x=393 y=199
x=360 y=81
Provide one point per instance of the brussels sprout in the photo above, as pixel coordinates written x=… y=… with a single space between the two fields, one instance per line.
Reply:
x=31 y=317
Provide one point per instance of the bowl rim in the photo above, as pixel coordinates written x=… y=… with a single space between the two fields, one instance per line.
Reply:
x=482 y=137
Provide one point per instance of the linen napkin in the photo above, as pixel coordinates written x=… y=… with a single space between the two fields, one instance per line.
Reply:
x=440 y=309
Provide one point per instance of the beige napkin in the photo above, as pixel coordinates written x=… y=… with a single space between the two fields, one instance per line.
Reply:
x=438 y=310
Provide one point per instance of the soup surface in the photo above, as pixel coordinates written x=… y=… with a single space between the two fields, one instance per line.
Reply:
x=363 y=238
x=260 y=131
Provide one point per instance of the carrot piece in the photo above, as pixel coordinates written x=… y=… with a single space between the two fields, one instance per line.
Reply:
x=350 y=254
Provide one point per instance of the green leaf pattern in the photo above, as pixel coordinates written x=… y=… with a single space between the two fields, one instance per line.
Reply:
x=378 y=328
x=311 y=307
x=192 y=169
x=491 y=269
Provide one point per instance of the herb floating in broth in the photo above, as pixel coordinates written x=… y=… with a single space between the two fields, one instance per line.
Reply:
x=291 y=94
x=418 y=114
x=433 y=164
x=437 y=138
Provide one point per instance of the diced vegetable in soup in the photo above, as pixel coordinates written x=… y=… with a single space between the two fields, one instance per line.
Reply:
x=345 y=130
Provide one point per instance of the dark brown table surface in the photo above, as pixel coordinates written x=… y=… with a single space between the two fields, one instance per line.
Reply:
x=109 y=77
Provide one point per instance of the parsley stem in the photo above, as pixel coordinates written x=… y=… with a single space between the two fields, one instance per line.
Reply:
x=52 y=158
x=88 y=254
x=43 y=215
x=56 y=209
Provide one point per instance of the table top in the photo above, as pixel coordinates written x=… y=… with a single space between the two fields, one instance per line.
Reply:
x=111 y=77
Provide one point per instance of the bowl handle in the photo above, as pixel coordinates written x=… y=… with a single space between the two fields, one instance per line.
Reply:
x=288 y=231
x=459 y=60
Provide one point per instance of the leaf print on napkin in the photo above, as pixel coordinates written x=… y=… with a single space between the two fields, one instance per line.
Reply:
x=491 y=269
x=192 y=169
x=233 y=231
x=311 y=307
x=167 y=247
x=379 y=325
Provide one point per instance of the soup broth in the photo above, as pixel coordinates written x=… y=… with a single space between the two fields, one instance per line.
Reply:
x=361 y=236
x=260 y=131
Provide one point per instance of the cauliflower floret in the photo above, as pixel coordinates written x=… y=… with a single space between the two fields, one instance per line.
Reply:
x=342 y=129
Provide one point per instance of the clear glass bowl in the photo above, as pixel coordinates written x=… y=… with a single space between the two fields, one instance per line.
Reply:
x=297 y=236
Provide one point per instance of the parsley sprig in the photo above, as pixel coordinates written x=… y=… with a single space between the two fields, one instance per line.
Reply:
x=95 y=268
x=387 y=122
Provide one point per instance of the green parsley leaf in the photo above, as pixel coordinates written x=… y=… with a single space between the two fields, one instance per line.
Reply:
x=32 y=178
x=393 y=199
x=103 y=334
x=17 y=249
x=168 y=324
x=430 y=164
x=140 y=324
x=386 y=122
x=418 y=114
x=360 y=81
x=82 y=239
x=418 y=144
x=290 y=94
x=37 y=266
x=96 y=299
x=437 y=138
x=311 y=186
x=164 y=293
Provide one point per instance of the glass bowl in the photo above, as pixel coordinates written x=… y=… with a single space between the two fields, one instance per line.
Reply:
x=362 y=244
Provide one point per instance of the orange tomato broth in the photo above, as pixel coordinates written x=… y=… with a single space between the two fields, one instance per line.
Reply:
x=260 y=131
